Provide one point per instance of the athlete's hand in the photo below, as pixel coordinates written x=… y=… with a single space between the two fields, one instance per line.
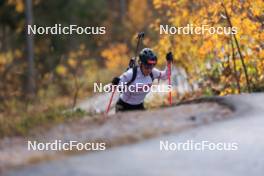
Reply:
x=132 y=62
x=169 y=57
x=115 y=81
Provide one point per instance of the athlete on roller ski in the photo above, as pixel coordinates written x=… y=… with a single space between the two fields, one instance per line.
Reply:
x=144 y=74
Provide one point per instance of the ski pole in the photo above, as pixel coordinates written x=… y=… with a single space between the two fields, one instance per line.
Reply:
x=169 y=79
x=110 y=101
x=140 y=37
x=169 y=58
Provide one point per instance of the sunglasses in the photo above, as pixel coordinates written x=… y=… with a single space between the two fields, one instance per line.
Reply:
x=148 y=66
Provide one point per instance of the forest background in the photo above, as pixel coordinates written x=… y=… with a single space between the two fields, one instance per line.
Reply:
x=43 y=75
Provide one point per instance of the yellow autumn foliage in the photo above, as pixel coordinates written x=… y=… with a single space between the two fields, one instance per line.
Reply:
x=19 y=5
x=116 y=56
x=61 y=70
x=194 y=51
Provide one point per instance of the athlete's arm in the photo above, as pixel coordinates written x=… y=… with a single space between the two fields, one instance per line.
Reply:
x=160 y=74
x=157 y=74
x=126 y=77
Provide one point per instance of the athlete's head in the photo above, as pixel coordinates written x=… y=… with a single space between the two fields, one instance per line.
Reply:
x=148 y=60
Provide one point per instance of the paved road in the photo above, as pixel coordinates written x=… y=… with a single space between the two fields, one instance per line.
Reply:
x=145 y=158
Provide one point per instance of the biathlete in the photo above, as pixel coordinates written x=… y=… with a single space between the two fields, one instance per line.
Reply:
x=142 y=75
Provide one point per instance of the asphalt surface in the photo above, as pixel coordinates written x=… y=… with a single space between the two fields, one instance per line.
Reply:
x=145 y=158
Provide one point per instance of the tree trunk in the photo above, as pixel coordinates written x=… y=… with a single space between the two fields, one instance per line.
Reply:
x=238 y=49
x=122 y=10
x=234 y=65
x=31 y=85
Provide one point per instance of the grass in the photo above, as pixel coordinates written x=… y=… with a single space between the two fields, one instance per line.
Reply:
x=19 y=118
x=50 y=107
x=21 y=126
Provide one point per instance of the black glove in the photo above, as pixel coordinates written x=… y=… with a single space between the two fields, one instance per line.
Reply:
x=132 y=62
x=115 y=81
x=169 y=57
